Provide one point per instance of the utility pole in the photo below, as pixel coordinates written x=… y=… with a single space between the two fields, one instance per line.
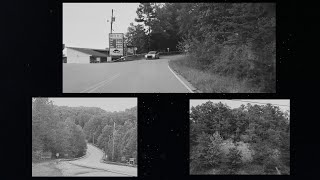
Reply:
x=111 y=20
x=114 y=126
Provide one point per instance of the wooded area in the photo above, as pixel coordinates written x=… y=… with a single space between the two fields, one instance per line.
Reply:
x=251 y=139
x=228 y=39
x=64 y=130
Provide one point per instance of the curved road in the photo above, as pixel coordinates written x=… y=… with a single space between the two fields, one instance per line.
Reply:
x=91 y=166
x=140 y=76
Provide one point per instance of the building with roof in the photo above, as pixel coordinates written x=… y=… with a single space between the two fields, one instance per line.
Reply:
x=86 y=55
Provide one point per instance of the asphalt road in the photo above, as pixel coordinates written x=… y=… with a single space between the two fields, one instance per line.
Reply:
x=91 y=166
x=140 y=76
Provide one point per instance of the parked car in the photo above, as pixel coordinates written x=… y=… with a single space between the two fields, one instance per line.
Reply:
x=152 y=55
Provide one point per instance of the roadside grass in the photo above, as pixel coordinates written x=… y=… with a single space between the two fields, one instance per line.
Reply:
x=46 y=168
x=248 y=169
x=208 y=82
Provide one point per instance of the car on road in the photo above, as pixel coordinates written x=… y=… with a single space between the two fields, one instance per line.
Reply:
x=152 y=55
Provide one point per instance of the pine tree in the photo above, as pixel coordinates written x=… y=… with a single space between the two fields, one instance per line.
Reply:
x=233 y=161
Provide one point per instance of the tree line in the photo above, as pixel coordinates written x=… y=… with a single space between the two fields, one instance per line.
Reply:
x=230 y=39
x=53 y=134
x=65 y=130
x=251 y=139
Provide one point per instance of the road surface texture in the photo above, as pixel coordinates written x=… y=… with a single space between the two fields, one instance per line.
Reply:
x=91 y=166
x=140 y=76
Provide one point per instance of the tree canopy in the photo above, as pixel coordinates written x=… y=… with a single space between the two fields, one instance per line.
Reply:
x=261 y=132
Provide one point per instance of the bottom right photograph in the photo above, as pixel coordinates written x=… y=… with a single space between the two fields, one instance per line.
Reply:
x=239 y=137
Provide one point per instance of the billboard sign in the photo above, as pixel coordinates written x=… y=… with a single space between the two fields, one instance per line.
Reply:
x=116 y=44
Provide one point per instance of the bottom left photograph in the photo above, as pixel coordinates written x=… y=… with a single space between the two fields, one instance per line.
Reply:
x=84 y=136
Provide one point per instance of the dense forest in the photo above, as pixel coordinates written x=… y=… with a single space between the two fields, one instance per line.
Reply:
x=228 y=39
x=251 y=139
x=65 y=130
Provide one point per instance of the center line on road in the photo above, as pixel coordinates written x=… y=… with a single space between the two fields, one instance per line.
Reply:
x=100 y=84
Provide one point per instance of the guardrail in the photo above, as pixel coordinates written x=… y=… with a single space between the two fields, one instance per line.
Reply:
x=103 y=159
x=118 y=163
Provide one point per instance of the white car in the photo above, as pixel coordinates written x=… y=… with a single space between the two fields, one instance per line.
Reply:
x=152 y=55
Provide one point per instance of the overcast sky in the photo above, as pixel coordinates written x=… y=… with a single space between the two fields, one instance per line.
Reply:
x=108 y=104
x=85 y=24
x=284 y=104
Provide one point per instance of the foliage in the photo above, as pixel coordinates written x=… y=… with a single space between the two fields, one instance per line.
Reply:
x=53 y=134
x=233 y=161
x=259 y=135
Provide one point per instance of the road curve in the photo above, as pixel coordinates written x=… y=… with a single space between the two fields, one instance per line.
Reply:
x=91 y=166
x=141 y=76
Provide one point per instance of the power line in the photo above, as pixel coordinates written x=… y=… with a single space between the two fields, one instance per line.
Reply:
x=257 y=102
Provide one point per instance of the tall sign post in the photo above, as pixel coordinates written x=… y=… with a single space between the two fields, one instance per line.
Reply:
x=111 y=20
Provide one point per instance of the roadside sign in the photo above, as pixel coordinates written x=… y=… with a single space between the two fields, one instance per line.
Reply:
x=116 y=41
x=135 y=48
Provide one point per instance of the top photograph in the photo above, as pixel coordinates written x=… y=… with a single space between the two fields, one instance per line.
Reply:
x=169 y=47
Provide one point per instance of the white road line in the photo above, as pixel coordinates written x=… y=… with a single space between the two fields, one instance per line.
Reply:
x=100 y=84
x=180 y=80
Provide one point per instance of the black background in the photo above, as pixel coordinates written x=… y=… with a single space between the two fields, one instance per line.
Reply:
x=32 y=46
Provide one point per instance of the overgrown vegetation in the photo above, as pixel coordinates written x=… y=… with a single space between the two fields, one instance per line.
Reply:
x=236 y=40
x=246 y=140
x=64 y=130
x=207 y=81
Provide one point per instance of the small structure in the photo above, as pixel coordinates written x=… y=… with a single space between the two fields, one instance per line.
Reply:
x=132 y=161
x=130 y=50
x=46 y=155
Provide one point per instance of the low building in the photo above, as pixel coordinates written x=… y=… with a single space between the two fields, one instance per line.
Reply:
x=130 y=50
x=86 y=55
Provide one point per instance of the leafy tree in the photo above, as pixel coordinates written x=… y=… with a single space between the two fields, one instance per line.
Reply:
x=233 y=161
x=214 y=154
x=264 y=129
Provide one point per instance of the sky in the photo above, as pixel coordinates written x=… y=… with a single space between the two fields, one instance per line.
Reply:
x=235 y=103
x=108 y=104
x=85 y=24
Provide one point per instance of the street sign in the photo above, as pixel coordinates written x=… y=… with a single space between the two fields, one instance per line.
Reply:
x=135 y=48
x=116 y=41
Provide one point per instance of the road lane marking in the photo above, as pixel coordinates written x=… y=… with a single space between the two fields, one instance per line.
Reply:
x=105 y=83
x=180 y=80
x=100 y=84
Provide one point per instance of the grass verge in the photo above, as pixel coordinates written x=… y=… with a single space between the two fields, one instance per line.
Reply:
x=209 y=82
x=47 y=168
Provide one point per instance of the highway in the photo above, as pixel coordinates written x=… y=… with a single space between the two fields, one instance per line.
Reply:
x=90 y=165
x=140 y=76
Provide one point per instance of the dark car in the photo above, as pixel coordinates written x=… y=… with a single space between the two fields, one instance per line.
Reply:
x=152 y=55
